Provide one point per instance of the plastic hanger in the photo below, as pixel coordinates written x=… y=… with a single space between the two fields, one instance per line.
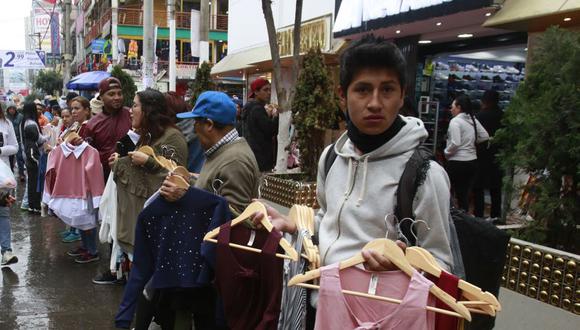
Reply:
x=255 y=207
x=423 y=260
x=392 y=251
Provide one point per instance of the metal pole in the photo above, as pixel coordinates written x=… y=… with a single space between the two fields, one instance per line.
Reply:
x=204 y=31
x=148 y=55
x=114 y=33
x=172 y=43
x=67 y=45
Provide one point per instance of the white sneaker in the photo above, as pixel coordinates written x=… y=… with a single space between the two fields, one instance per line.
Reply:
x=8 y=258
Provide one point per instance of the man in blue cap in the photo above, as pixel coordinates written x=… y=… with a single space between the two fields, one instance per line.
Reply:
x=230 y=169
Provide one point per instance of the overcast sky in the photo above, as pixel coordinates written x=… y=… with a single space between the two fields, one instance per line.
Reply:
x=12 y=13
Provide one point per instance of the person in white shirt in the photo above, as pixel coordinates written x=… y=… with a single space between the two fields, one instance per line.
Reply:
x=464 y=132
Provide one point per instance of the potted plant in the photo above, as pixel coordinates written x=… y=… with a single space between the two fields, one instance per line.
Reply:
x=316 y=109
x=541 y=136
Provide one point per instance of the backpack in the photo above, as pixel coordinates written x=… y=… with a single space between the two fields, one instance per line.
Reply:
x=478 y=247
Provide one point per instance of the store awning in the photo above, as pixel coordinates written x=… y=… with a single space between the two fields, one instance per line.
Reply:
x=330 y=56
x=241 y=60
x=534 y=15
x=259 y=58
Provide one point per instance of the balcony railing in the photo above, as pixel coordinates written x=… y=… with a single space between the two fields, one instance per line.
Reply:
x=128 y=16
x=97 y=28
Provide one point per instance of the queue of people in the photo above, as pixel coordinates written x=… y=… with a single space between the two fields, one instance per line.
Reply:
x=115 y=158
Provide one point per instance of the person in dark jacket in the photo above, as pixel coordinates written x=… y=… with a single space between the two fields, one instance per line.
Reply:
x=261 y=124
x=15 y=118
x=489 y=175
x=32 y=141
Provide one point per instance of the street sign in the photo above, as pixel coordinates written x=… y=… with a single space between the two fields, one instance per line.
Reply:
x=22 y=59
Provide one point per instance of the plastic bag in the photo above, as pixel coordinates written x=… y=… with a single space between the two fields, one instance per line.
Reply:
x=7 y=180
x=108 y=212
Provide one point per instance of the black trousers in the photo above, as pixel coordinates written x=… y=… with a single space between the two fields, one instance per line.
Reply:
x=32 y=184
x=478 y=195
x=462 y=175
x=199 y=303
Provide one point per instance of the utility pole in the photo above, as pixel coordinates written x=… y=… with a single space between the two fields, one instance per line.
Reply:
x=67 y=45
x=114 y=33
x=204 y=31
x=172 y=43
x=148 y=49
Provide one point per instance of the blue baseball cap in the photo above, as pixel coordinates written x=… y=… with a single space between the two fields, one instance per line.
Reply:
x=217 y=106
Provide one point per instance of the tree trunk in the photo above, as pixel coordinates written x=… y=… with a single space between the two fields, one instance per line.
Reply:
x=284 y=98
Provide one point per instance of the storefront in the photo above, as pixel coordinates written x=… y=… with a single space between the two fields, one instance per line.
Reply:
x=448 y=52
x=257 y=62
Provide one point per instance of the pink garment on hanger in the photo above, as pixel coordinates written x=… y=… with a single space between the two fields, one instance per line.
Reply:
x=341 y=311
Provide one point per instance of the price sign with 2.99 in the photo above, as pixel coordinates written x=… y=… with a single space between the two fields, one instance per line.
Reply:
x=22 y=59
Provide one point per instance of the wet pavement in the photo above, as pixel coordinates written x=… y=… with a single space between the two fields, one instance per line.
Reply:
x=46 y=289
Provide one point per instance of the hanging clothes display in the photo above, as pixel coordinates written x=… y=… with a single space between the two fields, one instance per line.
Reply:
x=339 y=311
x=74 y=184
x=450 y=284
x=294 y=299
x=168 y=250
x=250 y=284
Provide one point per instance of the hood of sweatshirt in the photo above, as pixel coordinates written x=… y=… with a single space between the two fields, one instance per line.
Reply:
x=408 y=138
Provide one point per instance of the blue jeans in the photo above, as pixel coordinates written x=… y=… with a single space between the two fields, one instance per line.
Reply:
x=5 y=231
x=89 y=240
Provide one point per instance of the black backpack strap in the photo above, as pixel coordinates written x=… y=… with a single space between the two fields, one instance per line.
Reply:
x=329 y=160
x=413 y=176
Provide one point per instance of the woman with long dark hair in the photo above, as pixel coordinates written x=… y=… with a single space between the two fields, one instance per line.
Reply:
x=464 y=132
x=138 y=175
x=32 y=141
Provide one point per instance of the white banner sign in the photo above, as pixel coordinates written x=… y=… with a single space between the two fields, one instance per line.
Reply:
x=22 y=59
x=194 y=33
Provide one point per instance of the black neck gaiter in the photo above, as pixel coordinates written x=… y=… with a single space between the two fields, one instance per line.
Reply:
x=367 y=143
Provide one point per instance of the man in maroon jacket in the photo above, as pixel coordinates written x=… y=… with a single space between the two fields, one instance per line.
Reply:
x=105 y=129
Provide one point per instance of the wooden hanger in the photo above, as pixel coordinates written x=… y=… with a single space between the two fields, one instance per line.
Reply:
x=392 y=251
x=70 y=136
x=301 y=216
x=251 y=209
x=421 y=259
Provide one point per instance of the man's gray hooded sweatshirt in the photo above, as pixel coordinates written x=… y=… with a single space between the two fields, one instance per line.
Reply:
x=357 y=198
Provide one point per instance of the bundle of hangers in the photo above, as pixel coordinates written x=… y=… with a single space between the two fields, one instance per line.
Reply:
x=180 y=173
x=303 y=217
x=478 y=301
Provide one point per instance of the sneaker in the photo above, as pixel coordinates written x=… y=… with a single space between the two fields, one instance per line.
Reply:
x=107 y=278
x=86 y=257
x=77 y=252
x=8 y=258
x=64 y=233
x=71 y=237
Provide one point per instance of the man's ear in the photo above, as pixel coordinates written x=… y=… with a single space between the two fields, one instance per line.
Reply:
x=342 y=96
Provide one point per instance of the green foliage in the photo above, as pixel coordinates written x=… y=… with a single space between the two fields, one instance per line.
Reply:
x=49 y=81
x=129 y=87
x=542 y=134
x=315 y=107
x=202 y=81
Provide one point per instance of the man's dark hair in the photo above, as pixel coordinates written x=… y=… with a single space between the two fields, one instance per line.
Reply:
x=490 y=98
x=70 y=96
x=371 y=52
